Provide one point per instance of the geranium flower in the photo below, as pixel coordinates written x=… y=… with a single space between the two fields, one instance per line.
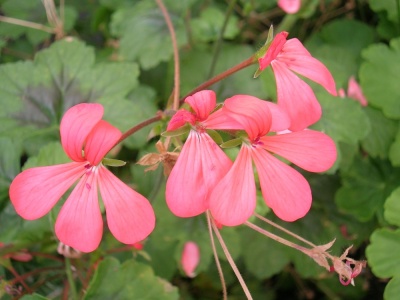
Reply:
x=294 y=95
x=354 y=92
x=201 y=163
x=190 y=258
x=35 y=191
x=284 y=189
x=289 y=6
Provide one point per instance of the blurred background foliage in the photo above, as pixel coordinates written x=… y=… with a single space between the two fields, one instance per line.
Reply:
x=119 y=53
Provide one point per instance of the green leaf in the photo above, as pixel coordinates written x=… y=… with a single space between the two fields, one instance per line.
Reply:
x=389 y=6
x=342 y=119
x=207 y=27
x=177 y=132
x=36 y=94
x=378 y=77
x=215 y=136
x=383 y=253
x=131 y=280
x=394 y=152
x=366 y=186
x=339 y=51
x=381 y=135
x=232 y=143
x=144 y=35
x=51 y=154
x=392 y=208
x=392 y=290
x=9 y=160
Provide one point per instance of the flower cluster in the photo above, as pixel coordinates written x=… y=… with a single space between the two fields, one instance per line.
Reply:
x=86 y=139
x=204 y=178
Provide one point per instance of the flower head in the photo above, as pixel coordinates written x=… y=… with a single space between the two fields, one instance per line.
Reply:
x=296 y=97
x=284 y=189
x=86 y=139
x=201 y=163
x=289 y=6
x=190 y=258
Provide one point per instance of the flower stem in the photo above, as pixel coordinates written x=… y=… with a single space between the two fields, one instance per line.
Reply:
x=284 y=230
x=231 y=261
x=251 y=60
x=71 y=282
x=276 y=238
x=217 y=46
x=176 y=52
x=220 y=273
x=26 y=24
x=139 y=126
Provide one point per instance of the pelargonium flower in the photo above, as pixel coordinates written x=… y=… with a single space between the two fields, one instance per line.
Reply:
x=289 y=6
x=190 y=258
x=354 y=92
x=284 y=189
x=86 y=139
x=201 y=163
x=294 y=95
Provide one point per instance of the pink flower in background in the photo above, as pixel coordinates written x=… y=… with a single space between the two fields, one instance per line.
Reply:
x=190 y=258
x=284 y=189
x=289 y=6
x=296 y=97
x=201 y=163
x=354 y=91
x=86 y=139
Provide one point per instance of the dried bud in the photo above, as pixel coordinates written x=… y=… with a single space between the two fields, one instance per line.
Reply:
x=168 y=159
x=68 y=251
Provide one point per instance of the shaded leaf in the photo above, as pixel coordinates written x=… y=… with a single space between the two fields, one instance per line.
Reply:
x=383 y=253
x=378 y=77
x=392 y=208
x=130 y=280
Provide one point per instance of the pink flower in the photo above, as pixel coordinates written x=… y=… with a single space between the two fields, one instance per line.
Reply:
x=284 y=189
x=190 y=258
x=35 y=191
x=289 y=6
x=354 y=91
x=294 y=95
x=201 y=163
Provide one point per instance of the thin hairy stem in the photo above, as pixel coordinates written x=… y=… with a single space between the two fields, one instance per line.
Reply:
x=220 y=273
x=176 y=53
x=231 y=261
x=71 y=282
x=218 y=43
x=26 y=24
x=276 y=238
x=221 y=76
x=284 y=230
x=19 y=279
x=139 y=126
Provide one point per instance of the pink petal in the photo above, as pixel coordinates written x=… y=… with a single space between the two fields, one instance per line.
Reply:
x=35 y=191
x=354 y=91
x=296 y=98
x=284 y=189
x=311 y=150
x=233 y=200
x=280 y=119
x=203 y=103
x=100 y=140
x=79 y=223
x=200 y=165
x=274 y=49
x=190 y=258
x=252 y=113
x=130 y=216
x=221 y=119
x=181 y=117
x=299 y=60
x=341 y=93
x=289 y=6
x=75 y=126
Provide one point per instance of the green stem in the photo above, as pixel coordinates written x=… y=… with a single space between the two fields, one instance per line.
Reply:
x=70 y=278
x=287 y=23
x=218 y=44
